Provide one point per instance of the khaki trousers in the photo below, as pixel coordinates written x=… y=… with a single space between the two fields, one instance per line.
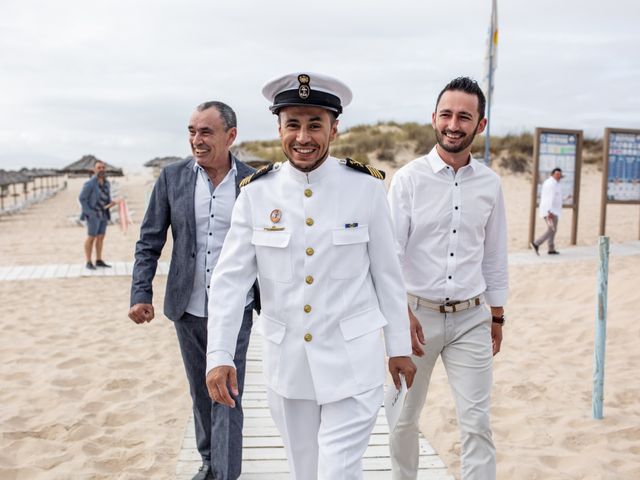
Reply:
x=327 y=441
x=463 y=341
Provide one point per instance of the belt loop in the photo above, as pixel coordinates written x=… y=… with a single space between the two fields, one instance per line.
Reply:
x=413 y=302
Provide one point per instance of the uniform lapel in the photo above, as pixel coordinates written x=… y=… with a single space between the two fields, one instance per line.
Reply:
x=188 y=185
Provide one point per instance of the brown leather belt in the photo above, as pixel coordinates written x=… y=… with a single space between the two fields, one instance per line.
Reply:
x=449 y=307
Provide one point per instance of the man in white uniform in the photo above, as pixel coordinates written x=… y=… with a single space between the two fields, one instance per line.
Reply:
x=451 y=237
x=318 y=233
x=550 y=210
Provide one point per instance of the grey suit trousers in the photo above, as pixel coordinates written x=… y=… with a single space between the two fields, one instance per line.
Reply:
x=218 y=427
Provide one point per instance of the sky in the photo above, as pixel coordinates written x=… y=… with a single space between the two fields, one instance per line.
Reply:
x=119 y=79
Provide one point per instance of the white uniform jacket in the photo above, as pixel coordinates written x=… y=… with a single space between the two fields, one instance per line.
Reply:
x=322 y=246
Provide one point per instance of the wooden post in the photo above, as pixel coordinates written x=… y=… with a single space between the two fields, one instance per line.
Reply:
x=601 y=328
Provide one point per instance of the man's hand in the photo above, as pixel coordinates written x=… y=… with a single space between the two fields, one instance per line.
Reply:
x=417 y=336
x=402 y=365
x=217 y=380
x=496 y=337
x=141 y=312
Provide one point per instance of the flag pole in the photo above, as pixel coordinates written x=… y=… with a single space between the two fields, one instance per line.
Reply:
x=492 y=33
x=487 y=138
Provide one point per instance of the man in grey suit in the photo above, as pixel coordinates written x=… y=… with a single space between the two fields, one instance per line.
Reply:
x=195 y=198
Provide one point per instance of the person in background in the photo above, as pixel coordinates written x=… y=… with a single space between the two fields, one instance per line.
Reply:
x=550 y=210
x=95 y=200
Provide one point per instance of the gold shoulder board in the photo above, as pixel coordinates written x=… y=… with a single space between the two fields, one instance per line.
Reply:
x=368 y=169
x=257 y=174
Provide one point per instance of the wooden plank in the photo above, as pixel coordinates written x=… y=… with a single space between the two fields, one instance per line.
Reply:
x=38 y=272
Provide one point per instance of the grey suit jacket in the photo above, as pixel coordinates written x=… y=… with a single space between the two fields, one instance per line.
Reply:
x=171 y=204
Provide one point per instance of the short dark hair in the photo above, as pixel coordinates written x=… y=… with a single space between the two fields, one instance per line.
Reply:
x=226 y=113
x=333 y=116
x=557 y=169
x=467 y=85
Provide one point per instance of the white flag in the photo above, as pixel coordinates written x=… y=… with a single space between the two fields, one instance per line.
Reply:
x=491 y=57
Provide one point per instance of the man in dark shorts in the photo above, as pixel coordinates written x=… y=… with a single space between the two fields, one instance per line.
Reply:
x=95 y=199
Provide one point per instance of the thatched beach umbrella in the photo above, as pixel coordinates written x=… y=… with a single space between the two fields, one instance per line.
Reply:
x=249 y=158
x=84 y=167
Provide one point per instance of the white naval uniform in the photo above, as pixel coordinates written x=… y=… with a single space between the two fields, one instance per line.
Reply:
x=329 y=281
x=452 y=242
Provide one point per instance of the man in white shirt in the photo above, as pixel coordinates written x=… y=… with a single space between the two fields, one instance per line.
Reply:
x=550 y=210
x=318 y=233
x=451 y=237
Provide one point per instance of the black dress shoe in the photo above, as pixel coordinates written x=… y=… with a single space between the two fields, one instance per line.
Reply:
x=90 y=266
x=204 y=473
x=100 y=263
x=553 y=252
x=535 y=248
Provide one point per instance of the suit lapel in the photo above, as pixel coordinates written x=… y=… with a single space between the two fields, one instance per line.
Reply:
x=188 y=184
x=242 y=172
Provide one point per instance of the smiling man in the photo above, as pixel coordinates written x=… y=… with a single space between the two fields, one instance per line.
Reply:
x=195 y=198
x=451 y=237
x=318 y=233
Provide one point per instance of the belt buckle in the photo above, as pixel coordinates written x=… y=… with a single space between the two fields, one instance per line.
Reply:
x=448 y=308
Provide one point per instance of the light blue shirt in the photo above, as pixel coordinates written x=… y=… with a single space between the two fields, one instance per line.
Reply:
x=213 y=207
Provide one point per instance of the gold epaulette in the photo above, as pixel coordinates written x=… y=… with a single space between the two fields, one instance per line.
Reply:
x=368 y=169
x=257 y=174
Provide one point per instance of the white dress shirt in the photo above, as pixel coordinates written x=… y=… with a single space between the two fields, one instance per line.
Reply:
x=213 y=207
x=551 y=197
x=322 y=246
x=451 y=230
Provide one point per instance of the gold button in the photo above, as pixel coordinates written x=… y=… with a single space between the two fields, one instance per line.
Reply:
x=307 y=308
x=308 y=337
x=308 y=192
x=309 y=279
x=309 y=221
x=309 y=251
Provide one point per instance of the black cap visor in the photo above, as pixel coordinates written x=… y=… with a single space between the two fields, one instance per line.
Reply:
x=291 y=98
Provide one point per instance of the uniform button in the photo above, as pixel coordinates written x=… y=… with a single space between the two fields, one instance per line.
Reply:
x=456 y=184
x=309 y=279
x=308 y=337
x=208 y=270
x=307 y=308
x=451 y=254
x=309 y=251
x=208 y=253
x=456 y=208
x=210 y=233
x=449 y=277
x=309 y=221
x=454 y=231
x=308 y=192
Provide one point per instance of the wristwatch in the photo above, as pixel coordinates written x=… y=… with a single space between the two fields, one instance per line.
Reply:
x=499 y=320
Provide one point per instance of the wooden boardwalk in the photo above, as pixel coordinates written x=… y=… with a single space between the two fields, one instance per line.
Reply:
x=525 y=257
x=66 y=270
x=263 y=453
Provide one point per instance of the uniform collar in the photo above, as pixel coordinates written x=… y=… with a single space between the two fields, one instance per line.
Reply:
x=314 y=175
x=437 y=164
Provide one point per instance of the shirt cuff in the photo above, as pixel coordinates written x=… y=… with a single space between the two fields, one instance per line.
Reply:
x=219 y=358
x=496 y=298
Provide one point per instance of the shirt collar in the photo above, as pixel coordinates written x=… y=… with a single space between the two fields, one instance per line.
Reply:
x=234 y=168
x=437 y=164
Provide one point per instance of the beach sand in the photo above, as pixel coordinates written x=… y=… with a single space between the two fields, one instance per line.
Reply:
x=88 y=394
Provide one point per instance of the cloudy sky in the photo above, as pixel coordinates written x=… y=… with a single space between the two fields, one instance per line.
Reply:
x=119 y=79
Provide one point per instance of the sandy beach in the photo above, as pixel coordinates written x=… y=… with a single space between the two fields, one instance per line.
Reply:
x=87 y=394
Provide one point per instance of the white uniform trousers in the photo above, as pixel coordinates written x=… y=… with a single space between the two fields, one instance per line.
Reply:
x=326 y=442
x=463 y=340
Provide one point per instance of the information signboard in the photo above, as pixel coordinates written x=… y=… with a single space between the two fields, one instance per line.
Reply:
x=620 y=170
x=623 y=166
x=562 y=149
